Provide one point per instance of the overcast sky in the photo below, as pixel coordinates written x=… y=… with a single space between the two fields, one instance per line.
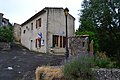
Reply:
x=18 y=11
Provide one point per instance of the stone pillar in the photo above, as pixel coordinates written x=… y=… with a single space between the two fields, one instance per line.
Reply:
x=91 y=48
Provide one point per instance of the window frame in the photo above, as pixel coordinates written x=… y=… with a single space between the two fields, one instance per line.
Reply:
x=38 y=23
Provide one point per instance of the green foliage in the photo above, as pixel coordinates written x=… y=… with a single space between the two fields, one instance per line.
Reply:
x=91 y=34
x=103 y=18
x=6 y=34
x=102 y=61
x=79 y=69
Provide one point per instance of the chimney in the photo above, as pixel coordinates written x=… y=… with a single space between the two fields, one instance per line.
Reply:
x=1 y=17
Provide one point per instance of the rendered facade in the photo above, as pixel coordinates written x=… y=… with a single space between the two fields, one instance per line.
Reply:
x=46 y=31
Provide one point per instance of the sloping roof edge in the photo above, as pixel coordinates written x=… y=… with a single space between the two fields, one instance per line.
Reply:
x=58 y=8
x=40 y=13
x=34 y=16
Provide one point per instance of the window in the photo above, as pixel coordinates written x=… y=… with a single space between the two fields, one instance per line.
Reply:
x=38 y=23
x=24 y=31
x=26 y=27
x=31 y=26
x=59 y=39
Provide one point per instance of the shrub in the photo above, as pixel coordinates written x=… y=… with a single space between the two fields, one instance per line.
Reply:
x=6 y=34
x=79 y=69
x=102 y=61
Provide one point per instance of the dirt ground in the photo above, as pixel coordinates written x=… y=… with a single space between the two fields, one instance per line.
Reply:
x=18 y=63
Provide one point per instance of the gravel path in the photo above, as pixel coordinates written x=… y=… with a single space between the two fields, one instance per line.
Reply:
x=20 y=63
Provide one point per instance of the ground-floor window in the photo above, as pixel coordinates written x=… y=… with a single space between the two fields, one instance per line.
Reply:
x=59 y=41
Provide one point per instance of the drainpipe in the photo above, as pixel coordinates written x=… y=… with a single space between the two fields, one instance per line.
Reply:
x=47 y=32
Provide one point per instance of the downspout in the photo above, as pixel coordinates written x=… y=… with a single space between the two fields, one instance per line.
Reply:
x=47 y=32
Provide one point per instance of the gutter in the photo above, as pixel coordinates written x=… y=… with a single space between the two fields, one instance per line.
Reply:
x=47 y=31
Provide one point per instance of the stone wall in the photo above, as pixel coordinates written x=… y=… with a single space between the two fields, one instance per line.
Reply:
x=4 y=46
x=1 y=17
x=79 y=44
x=17 y=32
x=55 y=73
x=107 y=74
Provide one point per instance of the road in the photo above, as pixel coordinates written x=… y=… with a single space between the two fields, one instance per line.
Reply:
x=18 y=63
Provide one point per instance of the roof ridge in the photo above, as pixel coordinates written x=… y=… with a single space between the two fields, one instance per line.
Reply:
x=53 y=8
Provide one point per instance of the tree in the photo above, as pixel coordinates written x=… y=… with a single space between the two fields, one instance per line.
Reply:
x=6 y=34
x=86 y=17
x=103 y=18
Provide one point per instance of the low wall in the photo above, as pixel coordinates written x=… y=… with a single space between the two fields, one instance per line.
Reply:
x=4 y=46
x=55 y=73
x=107 y=74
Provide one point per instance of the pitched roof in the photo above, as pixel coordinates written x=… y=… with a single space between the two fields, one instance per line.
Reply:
x=34 y=16
x=40 y=13
x=58 y=8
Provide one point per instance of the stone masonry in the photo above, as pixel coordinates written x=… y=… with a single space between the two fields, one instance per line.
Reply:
x=4 y=46
x=107 y=74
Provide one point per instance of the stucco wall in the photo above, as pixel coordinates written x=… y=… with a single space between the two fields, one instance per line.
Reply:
x=53 y=23
x=33 y=34
x=57 y=26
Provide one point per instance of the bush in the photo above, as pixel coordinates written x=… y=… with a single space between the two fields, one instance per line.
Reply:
x=79 y=69
x=102 y=61
x=6 y=34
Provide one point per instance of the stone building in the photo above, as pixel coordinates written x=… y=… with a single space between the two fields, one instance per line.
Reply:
x=17 y=32
x=79 y=44
x=4 y=21
x=46 y=31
